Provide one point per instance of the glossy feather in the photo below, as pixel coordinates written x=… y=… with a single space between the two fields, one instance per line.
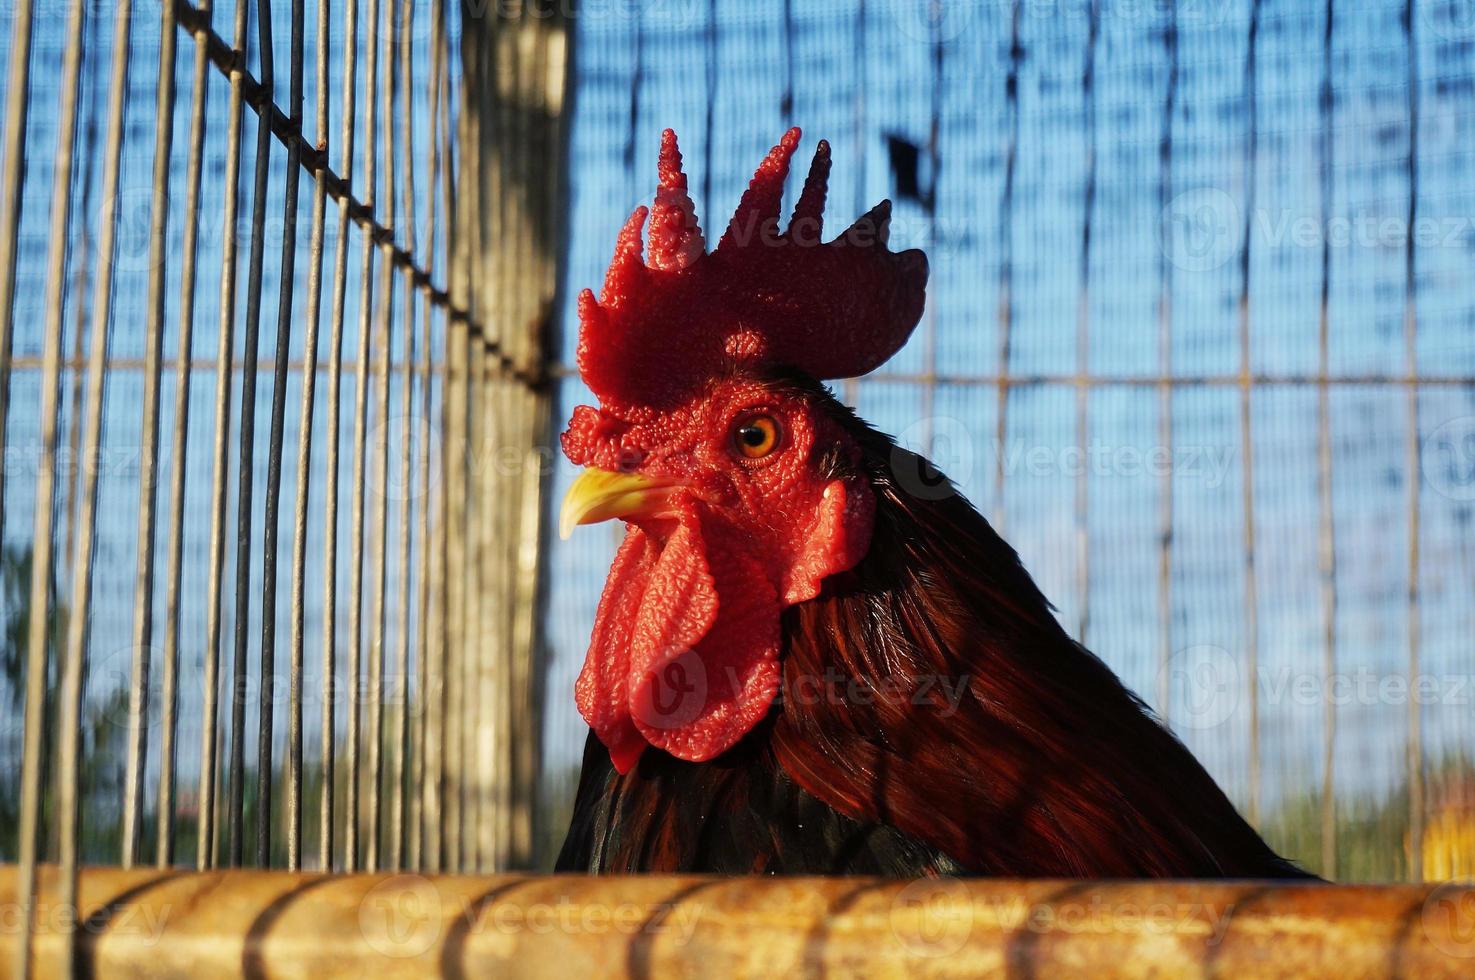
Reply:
x=1044 y=765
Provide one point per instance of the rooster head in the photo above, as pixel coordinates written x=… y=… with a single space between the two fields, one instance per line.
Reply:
x=740 y=494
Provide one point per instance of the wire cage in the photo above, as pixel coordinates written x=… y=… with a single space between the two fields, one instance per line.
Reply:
x=254 y=367
x=286 y=333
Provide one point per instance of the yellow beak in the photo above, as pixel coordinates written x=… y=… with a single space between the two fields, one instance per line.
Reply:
x=600 y=495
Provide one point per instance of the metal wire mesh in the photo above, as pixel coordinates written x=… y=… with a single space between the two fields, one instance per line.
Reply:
x=193 y=675
x=1197 y=341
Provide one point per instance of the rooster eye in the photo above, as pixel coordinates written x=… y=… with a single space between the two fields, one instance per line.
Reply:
x=756 y=436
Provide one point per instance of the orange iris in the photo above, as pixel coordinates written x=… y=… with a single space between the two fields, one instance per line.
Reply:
x=756 y=437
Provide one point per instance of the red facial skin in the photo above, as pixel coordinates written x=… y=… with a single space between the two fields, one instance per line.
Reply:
x=686 y=644
x=686 y=641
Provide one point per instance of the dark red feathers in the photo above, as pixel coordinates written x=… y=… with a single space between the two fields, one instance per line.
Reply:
x=933 y=718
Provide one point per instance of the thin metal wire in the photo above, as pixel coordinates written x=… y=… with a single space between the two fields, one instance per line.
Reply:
x=310 y=157
x=1415 y=751
x=17 y=107
x=245 y=475
x=425 y=848
x=39 y=625
x=471 y=808
x=1246 y=443
x=1327 y=538
x=399 y=798
x=265 y=772
x=74 y=666
x=169 y=695
x=379 y=556
x=1165 y=369
x=934 y=159
x=143 y=598
x=208 y=844
x=1083 y=328
x=360 y=432
x=330 y=449
x=485 y=395
x=457 y=415
x=1006 y=261
x=510 y=139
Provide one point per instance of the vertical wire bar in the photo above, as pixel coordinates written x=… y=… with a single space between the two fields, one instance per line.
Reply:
x=522 y=524
x=439 y=738
x=264 y=770
x=1006 y=263
x=208 y=845
x=81 y=325
x=17 y=106
x=471 y=808
x=270 y=530
x=510 y=138
x=169 y=694
x=1165 y=378
x=400 y=827
x=488 y=489
x=1246 y=440
x=41 y=557
x=1083 y=329
x=74 y=667
x=377 y=541
x=850 y=387
x=557 y=68
x=455 y=479
x=467 y=249
x=425 y=849
x=360 y=411
x=245 y=486
x=456 y=561
x=545 y=81
x=143 y=598
x=330 y=450
x=425 y=842
x=1415 y=756
x=934 y=159
x=478 y=812
x=1327 y=543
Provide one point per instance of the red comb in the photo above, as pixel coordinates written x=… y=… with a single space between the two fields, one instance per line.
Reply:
x=664 y=325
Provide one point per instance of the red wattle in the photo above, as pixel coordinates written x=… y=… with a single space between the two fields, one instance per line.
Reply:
x=684 y=654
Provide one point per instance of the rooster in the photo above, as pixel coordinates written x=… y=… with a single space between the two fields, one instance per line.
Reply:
x=799 y=666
